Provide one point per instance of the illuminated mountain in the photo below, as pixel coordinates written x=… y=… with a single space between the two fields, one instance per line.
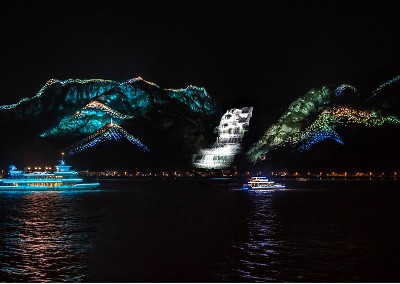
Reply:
x=178 y=123
x=66 y=111
x=313 y=118
x=92 y=116
x=132 y=97
x=109 y=132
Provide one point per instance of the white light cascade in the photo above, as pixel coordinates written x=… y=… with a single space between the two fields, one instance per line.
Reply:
x=234 y=123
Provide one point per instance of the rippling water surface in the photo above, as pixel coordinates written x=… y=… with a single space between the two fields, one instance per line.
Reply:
x=45 y=236
x=188 y=231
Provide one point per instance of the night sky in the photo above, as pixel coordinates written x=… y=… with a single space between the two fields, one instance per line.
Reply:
x=245 y=53
x=242 y=52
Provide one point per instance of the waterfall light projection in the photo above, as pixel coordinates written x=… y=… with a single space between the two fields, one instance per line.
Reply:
x=234 y=123
x=108 y=132
x=90 y=118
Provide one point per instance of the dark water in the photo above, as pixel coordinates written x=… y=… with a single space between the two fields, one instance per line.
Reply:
x=188 y=231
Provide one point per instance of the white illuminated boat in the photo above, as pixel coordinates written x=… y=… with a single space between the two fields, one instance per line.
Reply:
x=61 y=179
x=262 y=183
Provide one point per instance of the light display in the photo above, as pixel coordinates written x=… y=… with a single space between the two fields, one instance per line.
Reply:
x=95 y=106
x=291 y=122
x=297 y=129
x=109 y=132
x=90 y=118
x=339 y=90
x=11 y=106
x=322 y=128
x=107 y=99
x=319 y=136
x=196 y=98
x=137 y=79
x=51 y=82
x=386 y=84
x=233 y=125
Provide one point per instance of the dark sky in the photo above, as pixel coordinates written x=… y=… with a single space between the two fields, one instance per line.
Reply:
x=243 y=52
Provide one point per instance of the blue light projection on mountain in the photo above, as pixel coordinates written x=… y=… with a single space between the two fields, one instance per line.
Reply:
x=234 y=123
x=196 y=103
x=387 y=84
x=339 y=90
x=109 y=132
x=136 y=93
x=90 y=118
x=75 y=108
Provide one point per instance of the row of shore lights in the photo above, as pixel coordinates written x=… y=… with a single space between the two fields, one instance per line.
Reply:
x=333 y=173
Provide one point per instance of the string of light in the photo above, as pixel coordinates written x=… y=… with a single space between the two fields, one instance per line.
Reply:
x=107 y=133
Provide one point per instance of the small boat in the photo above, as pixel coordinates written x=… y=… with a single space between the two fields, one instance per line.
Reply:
x=302 y=179
x=61 y=179
x=262 y=183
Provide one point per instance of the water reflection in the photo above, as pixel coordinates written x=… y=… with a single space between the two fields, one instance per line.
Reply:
x=261 y=245
x=42 y=238
x=253 y=256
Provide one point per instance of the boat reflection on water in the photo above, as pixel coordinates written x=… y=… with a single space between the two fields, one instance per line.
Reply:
x=43 y=239
x=255 y=255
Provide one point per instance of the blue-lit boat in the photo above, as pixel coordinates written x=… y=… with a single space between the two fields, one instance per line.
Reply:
x=63 y=178
x=262 y=183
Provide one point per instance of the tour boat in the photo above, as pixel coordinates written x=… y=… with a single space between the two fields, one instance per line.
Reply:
x=261 y=183
x=63 y=178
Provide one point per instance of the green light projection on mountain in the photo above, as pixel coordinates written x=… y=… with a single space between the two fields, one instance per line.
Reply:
x=298 y=128
x=292 y=121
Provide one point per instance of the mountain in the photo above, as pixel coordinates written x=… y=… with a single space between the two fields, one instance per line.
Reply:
x=109 y=132
x=333 y=124
x=117 y=122
x=174 y=123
